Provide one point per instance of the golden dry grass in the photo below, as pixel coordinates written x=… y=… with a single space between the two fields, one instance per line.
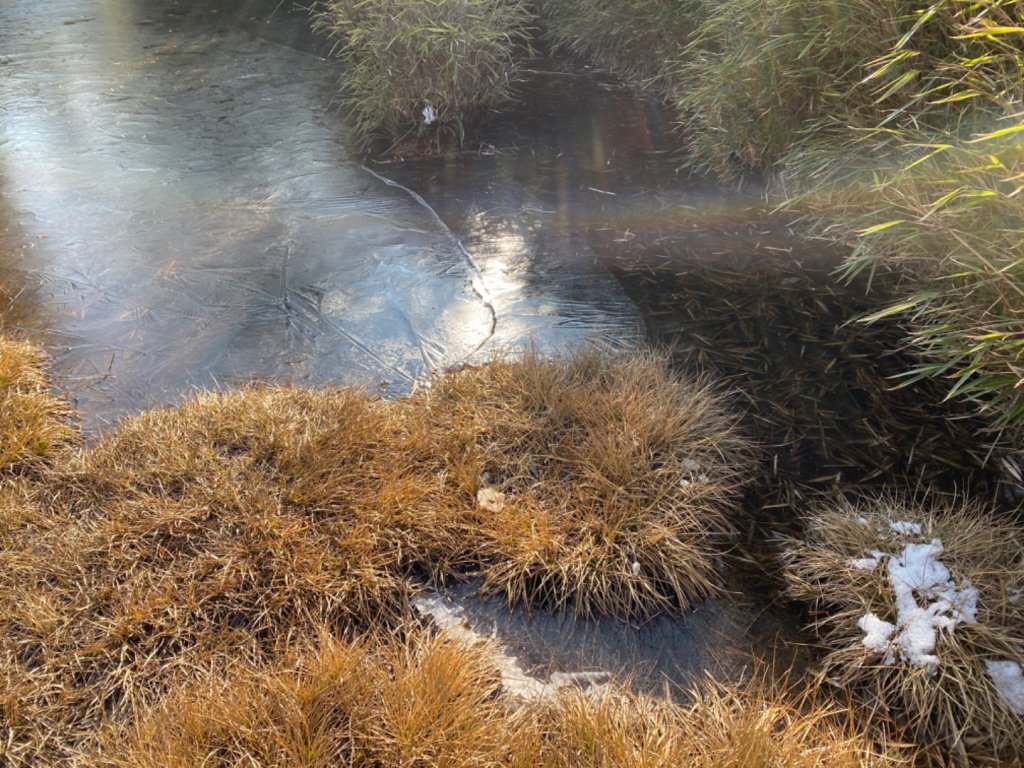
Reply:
x=34 y=421
x=424 y=699
x=954 y=709
x=756 y=725
x=190 y=536
x=211 y=535
x=615 y=479
x=419 y=700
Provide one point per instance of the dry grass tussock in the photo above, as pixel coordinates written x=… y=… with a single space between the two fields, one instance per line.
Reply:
x=850 y=565
x=190 y=536
x=756 y=725
x=426 y=699
x=612 y=480
x=215 y=533
x=421 y=700
x=35 y=421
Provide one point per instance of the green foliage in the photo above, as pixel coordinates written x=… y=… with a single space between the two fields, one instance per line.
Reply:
x=633 y=38
x=404 y=56
x=765 y=78
x=940 y=197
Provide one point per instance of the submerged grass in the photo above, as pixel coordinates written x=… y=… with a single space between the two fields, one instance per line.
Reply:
x=816 y=387
x=425 y=73
x=952 y=708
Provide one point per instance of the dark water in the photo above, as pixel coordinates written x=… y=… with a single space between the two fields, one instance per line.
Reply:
x=181 y=206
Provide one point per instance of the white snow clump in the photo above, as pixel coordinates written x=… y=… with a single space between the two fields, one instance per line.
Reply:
x=1009 y=680
x=913 y=574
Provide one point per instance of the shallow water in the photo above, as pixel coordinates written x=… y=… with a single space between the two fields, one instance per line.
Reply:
x=181 y=206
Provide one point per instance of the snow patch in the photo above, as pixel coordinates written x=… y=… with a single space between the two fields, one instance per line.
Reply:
x=917 y=574
x=877 y=634
x=1009 y=679
x=867 y=563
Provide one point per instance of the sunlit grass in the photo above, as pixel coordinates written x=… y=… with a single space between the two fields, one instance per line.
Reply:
x=618 y=481
x=413 y=699
x=238 y=523
x=938 y=198
x=435 y=700
x=34 y=421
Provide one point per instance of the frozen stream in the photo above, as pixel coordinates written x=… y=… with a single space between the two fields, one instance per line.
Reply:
x=181 y=207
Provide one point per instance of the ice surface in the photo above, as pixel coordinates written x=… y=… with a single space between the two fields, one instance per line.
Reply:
x=514 y=678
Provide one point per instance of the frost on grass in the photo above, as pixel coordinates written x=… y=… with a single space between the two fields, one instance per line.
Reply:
x=921 y=626
x=1009 y=679
x=915 y=574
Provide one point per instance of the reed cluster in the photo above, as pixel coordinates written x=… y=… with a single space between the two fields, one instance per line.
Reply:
x=636 y=39
x=424 y=73
x=891 y=127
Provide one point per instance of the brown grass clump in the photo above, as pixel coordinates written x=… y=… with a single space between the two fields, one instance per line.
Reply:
x=424 y=699
x=607 y=481
x=421 y=700
x=190 y=536
x=210 y=536
x=33 y=422
x=747 y=726
x=950 y=705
